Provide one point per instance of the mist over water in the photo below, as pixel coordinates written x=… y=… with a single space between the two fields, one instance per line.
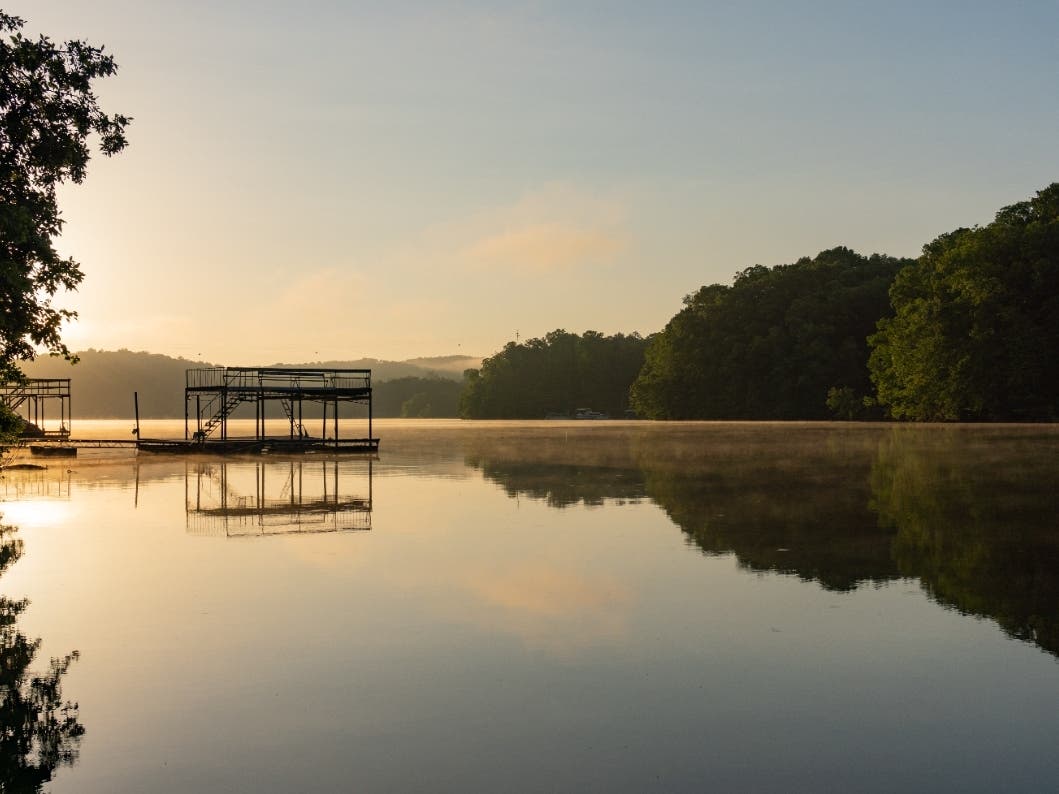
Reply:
x=556 y=605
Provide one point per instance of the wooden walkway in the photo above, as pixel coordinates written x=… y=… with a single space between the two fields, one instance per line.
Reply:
x=57 y=447
x=245 y=446
x=48 y=442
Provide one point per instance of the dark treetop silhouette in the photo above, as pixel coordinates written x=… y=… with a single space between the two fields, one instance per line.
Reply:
x=47 y=114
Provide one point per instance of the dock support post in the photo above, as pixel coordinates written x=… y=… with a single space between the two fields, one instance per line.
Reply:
x=136 y=409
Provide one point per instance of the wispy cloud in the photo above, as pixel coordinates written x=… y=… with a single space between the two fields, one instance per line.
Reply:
x=554 y=227
x=544 y=247
x=306 y=293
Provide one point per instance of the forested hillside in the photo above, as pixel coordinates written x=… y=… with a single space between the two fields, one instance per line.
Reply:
x=975 y=331
x=556 y=374
x=103 y=382
x=772 y=345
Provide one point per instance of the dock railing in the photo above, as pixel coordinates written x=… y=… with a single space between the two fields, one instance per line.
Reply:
x=277 y=378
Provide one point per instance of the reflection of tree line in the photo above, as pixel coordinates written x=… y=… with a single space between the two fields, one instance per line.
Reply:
x=979 y=530
x=576 y=468
x=970 y=512
x=563 y=485
x=39 y=731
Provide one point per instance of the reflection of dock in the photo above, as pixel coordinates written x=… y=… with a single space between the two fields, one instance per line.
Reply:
x=20 y=484
x=277 y=497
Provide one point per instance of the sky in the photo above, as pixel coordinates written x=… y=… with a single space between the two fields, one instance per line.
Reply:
x=330 y=180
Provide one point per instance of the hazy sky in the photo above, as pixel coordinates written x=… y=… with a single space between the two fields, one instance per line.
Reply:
x=324 y=180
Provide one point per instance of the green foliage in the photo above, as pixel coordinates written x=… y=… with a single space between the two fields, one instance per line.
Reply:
x=554 y=375
x=47 y=115
x=11 y=425
x=771 y=345
x=975 y=326
x=843 y=402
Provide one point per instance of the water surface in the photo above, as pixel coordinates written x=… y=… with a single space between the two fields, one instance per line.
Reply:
x=549 y=606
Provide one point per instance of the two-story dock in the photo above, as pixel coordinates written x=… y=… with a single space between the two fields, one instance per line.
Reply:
x=211 y=395
x=30 y=397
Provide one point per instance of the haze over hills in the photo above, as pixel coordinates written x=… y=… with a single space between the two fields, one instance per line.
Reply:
x=103 y=382
x=425 y=367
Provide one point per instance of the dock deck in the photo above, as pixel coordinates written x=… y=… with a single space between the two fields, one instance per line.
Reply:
x=252 y=445
x=53 y=447
x=211 y=395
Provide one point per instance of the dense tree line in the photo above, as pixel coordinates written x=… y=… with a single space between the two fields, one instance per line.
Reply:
x=969 y=330
x=975 y=328
x=557 y=375
x=772 y=345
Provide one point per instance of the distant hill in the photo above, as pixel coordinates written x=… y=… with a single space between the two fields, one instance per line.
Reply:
x=450 y=367
x=102 y=384
x=453 y=364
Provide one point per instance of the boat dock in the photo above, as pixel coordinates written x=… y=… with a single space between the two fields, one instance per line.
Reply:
x=258 y=445
x=68 y=447
x=31 y=396
x=211 y=395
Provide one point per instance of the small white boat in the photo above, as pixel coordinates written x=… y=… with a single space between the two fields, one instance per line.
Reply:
x=588 y=413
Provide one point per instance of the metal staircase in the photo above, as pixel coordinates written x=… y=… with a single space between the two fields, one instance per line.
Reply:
x=13 y=395
x=288 y=411
x=222 y=413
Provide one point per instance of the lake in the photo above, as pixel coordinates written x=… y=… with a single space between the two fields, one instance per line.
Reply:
x=540 y=606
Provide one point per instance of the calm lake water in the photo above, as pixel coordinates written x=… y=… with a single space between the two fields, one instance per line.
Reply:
x=541 y=607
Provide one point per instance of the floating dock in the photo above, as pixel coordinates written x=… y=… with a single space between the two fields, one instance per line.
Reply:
x=253 y=445
x=211 y=395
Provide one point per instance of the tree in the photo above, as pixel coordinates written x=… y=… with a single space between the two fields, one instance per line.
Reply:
x=556 y=374
x=772 y=345
x=417 y=406
x=975 y=326
x=11 y=425
x=48 y=113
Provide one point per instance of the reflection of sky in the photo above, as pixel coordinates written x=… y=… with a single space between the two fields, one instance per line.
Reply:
x=33 y=513
x=472 y=641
